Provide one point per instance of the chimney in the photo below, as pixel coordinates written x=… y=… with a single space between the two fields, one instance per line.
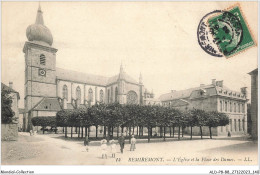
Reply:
x=11 y=84
x=201 y=85
x=244 y=91
x=219 y=83
x=214 y=82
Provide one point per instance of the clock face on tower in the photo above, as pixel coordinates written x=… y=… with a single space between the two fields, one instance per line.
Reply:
x=42 y=72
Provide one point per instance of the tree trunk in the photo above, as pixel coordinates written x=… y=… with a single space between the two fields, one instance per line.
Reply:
x=96 y=131
x=133 y=130
x=76 y=130
x=137 y=130
x=173 y=131
x=112 y=131
x=160 y=131
x=179 y=134
x=170 y=131
x=191 y=132
x=63 y=130
x=201 y=132
x=105 y=131
x=164 y=133
x=82 y=131
x=117 y=134
x=86 y=131
x=182 y=131
x=210 y=133
x=71 y=131
x=66 y=132
x=129 y=134
x=79 y=132
x=122 y=129
x=148 y=128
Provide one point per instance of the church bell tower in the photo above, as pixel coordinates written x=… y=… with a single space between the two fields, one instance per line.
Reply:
x=40 y=64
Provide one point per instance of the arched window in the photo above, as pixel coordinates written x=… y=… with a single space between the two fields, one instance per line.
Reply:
x=65 y=92
x=108 y=95
x=235 y=124
x=225 y=106
x=230 y=124
x=111 y=96
x=42 y=59
x=116 y=95
x=90 y=95
x=78 y=94
x=230 y=107
x=101 y=96
x=239 y=127
x=238 y=107
x=235 y=107
x=220 y=105
x=243 y=124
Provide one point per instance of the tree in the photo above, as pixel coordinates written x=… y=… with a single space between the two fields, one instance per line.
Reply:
x=44 y=121
x=201 y=117
x=6 y=104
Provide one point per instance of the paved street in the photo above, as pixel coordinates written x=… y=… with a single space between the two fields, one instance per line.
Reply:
x=54 y=149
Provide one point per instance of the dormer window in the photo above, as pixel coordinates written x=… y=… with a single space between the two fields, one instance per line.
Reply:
x=42 y=59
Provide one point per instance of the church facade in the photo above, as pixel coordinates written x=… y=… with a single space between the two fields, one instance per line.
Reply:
x=49 y=89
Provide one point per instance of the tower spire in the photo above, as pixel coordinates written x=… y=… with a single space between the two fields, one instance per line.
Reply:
x=121 y=71
x=140 y=78
x=39 y=17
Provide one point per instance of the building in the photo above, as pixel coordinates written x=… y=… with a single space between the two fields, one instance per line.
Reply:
x=254 y=103
x=15 y=98
x=48 y=89
x=213 y=97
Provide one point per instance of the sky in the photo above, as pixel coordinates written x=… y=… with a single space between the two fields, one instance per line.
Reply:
x=157 y=39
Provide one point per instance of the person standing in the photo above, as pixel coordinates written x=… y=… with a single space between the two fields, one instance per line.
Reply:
x=121 y=141
x=86 y=143
x=104 y=148
x=113 y=147
x=133 y=141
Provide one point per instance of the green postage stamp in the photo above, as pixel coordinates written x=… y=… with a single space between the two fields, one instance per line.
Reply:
x=228 y=33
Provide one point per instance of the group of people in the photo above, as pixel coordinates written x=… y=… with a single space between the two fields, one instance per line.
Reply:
x=112 y=144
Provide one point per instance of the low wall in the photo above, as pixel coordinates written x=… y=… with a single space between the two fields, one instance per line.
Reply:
x=9 y=132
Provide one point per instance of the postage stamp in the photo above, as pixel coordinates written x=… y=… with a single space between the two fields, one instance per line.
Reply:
x=227 y=33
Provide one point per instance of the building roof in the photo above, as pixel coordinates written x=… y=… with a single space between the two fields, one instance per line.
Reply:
x=210 y=90
x=255 y=71
x=47 y=104
x=180 y=94
x=7 y=88
x=69 y=75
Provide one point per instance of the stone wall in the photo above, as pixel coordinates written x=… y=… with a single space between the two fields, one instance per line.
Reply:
x=9 y=132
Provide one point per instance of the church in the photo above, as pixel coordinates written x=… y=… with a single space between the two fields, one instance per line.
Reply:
x=49 y=89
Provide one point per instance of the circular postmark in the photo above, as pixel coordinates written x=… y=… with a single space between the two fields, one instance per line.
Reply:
x=219 y=33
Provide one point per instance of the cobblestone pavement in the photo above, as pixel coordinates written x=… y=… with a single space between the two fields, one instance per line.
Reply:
x=54 y=149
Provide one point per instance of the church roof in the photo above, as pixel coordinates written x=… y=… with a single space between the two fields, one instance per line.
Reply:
x=80 y=77
x=74 y=76
x=47 y=104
